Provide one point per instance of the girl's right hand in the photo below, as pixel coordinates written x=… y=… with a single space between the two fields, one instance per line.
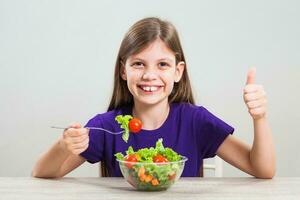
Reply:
x=76 y=139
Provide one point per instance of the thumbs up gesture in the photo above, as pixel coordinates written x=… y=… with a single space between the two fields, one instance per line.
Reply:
x=255 y=96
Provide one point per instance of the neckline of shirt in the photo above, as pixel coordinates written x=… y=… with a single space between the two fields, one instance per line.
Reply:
x=159 y=131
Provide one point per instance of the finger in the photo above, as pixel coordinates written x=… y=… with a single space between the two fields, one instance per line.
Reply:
x=75 y=125
x=72 y=132
x=78 y=151
x=254 y=96
x=257 y=111
x=251 y=76
x=251 y=88
x=81 y=145
x=79 y=139
x=256 y=104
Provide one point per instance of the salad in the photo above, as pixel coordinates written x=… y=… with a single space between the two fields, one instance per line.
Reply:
x=151 y=168
x=128 y=123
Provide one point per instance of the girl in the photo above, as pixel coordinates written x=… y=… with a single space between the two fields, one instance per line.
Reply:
x=152 y=84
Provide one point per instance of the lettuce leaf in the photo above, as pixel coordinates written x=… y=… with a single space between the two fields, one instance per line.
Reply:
x=119 y=156
x=147 y=154
x=124 y=121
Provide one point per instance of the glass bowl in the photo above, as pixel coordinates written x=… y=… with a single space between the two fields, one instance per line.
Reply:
x=152 y=176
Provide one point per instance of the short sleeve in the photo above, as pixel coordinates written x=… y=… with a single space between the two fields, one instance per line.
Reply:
x=94 y=152
x=212 y=131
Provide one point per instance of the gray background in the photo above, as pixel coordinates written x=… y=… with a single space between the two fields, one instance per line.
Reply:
x=57 y=60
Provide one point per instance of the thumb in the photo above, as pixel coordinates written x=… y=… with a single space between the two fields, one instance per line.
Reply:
x=75 y=125
x=251 y=76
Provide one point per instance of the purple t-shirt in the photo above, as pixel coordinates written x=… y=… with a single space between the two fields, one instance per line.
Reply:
x=190 y=130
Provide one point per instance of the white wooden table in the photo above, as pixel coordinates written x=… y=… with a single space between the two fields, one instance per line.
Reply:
x=117 y=188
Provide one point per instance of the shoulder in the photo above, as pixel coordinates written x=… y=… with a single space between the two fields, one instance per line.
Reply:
x=196 y=114
x=188 y=109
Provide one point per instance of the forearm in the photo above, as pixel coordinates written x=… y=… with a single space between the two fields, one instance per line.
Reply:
x=262 y=154
x=49 y=164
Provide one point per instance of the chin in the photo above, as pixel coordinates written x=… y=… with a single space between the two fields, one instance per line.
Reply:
x=150 y=101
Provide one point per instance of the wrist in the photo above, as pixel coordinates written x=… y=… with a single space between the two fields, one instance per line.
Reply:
x=262 y=121
x=260 y=118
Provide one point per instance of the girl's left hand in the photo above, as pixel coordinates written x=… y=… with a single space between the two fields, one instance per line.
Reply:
x=255 y=97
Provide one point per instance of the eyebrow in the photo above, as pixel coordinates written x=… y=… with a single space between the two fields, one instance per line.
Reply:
x=161 y=59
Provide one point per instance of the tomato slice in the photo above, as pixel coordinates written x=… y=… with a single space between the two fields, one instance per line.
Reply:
x=172 y=176
x=135 y=125
x=159 y=159
x=132 y=158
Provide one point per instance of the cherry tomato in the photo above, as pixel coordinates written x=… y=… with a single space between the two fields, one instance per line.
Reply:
x=132 y=158
x=159 y=159
x=135 y=125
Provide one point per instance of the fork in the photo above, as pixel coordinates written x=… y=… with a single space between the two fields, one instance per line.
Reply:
x=91 y=128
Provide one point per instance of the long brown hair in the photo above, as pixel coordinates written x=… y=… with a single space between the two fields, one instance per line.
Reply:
x=138 y=37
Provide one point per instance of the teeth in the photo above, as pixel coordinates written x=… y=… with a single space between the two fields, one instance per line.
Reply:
x=152 y=89
x=147 y=88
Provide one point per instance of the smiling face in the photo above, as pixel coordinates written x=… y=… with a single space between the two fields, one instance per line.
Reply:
x=151 y=73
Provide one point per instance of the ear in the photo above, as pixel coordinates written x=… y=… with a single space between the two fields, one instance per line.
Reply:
x=179 y=71
x=123 y=71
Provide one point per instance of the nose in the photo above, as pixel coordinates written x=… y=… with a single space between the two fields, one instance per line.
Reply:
x=149 y=75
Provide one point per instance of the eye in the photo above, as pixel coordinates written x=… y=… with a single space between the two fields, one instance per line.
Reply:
x=163 y=64
x=137 y=64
